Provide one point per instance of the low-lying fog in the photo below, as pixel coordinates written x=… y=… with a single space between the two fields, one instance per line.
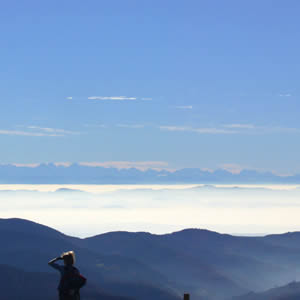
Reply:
x=85 y=210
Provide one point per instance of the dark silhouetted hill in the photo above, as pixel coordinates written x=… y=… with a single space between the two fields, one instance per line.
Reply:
x=204 y=260
x=16 y=284
x=290 y=291
x=141 y=265
x=187 y=272
x=289 y=239
x=29 y=246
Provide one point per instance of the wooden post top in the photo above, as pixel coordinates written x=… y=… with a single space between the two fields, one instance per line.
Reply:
x=186 y=297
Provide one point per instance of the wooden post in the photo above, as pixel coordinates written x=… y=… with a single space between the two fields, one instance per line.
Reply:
x=186 y=297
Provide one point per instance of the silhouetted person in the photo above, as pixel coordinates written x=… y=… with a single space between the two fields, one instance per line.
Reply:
x=67 y=272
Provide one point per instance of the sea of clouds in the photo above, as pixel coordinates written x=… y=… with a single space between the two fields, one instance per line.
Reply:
x=85 y=210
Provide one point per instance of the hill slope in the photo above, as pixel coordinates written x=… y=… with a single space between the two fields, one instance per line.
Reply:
x=290 y=291
x=141 y=265
x=29 y=246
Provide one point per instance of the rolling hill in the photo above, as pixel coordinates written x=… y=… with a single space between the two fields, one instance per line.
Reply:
x=141 y=265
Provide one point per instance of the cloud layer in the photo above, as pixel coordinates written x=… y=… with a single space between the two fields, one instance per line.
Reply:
x=37 y=131
x=233 y=129
x=207 y=130
x=113 y=98
x=154 y=208
x=184 y=107
x=29 y=133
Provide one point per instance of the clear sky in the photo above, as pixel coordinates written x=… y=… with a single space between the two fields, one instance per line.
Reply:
x=203 y=84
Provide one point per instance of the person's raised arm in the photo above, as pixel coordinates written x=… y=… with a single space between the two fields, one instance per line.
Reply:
x=52 y=263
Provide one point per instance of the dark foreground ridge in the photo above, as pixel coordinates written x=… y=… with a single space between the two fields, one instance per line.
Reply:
x=126 y=265
x=290 y=291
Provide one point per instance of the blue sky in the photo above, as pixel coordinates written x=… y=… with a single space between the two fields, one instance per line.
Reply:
x=204 y=84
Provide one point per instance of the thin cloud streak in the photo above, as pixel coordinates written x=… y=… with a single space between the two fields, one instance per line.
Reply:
x=112 y=98
x=37 y=131
x=62 y=164
x=185 y=107
x=52 y=130
x=27 y=133
x=33 y=165
x=241 y=126
x=198 y=130
x=233 y=129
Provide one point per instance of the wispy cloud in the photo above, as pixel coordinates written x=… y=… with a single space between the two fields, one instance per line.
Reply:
x=63 y=164
x=256 y=129
x=208 y=130
x=285 y=95
x=241 y=126
x=233 y=129
x=113 y=98
x=28 y=133
x=184 y=107
x=140 y=165
x=53 y=130
x=33 y=165
x=37 y=131
x=278 y=129
x=135 y=126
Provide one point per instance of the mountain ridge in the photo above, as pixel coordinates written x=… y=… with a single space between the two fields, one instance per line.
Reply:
x=77 y=173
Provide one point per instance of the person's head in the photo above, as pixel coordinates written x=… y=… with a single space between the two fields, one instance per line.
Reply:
x=69 y=258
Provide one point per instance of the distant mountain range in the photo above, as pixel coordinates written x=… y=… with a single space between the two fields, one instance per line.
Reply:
x=76 y=174
x=125 y=265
